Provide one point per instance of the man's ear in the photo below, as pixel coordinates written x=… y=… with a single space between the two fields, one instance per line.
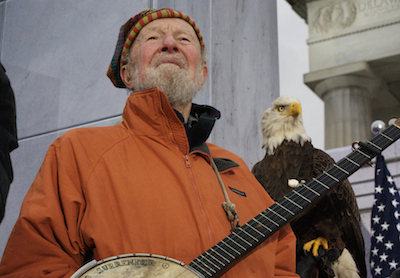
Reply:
x=126 y=76
x=204 y=73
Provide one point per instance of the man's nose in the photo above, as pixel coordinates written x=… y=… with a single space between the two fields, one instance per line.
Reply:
x=169 y=44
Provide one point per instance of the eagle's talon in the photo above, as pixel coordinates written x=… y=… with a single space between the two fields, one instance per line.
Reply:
x=315 y=244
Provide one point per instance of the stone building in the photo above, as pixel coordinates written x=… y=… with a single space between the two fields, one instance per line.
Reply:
x=354 y=63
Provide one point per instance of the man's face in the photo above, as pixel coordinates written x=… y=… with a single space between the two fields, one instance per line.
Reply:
x=166 y=54
x=167 y=41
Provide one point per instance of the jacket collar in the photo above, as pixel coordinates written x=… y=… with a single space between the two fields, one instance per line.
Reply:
x=200 y=124
x=149 y=113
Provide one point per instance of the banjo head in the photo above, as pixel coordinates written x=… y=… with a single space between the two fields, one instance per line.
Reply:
x=136 y=266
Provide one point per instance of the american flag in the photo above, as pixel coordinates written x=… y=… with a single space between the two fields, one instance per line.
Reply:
x=385 y=223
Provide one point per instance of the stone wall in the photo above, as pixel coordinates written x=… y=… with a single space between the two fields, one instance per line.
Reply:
x=56 y=54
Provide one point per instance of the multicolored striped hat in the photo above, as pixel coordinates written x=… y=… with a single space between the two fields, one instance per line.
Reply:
x=129 y=31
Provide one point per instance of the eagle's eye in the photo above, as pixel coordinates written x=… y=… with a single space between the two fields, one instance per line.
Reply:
x=281 y=108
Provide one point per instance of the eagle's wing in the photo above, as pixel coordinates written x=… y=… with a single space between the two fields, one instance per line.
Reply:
x=344 y=200
x=269 y=174
x=290 y=160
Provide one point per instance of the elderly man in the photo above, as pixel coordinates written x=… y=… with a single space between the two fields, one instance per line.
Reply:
x=151 y=184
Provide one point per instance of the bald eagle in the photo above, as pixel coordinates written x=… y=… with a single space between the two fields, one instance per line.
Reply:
x=331 y=225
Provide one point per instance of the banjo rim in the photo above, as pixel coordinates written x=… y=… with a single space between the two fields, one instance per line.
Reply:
x=92 y=264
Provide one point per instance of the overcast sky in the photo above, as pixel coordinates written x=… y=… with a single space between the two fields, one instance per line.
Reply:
x=293 y=64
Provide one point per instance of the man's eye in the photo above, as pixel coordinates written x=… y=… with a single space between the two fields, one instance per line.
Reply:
x=281 y=108
x=184 y=39
x=151 y=38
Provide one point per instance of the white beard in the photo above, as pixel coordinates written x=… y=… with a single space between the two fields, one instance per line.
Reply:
x=175 y=81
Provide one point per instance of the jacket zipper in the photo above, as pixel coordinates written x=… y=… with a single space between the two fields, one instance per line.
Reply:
x=200 y=206
x=186 y=158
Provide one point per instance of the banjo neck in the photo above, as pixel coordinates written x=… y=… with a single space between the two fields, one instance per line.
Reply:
x=219 y=258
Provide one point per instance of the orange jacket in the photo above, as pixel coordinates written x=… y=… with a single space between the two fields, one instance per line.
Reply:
x=136 y=188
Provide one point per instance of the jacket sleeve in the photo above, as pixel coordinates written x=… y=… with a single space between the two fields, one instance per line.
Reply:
x=8 y=136
x=45 y=241
x=285 y=262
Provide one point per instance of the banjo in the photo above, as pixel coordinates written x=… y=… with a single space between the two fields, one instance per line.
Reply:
x=218 y=259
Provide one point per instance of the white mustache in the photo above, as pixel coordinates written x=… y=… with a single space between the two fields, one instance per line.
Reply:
x=176 y=59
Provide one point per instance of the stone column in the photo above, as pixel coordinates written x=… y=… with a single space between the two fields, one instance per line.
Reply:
x=348 y=108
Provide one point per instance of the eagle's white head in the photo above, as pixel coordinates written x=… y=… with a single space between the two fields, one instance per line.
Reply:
x=283 y=121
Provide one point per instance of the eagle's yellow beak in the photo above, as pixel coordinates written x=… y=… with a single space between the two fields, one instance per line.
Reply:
x=295 y=109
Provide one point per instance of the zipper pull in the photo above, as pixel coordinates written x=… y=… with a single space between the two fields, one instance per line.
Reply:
x=186 y=158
